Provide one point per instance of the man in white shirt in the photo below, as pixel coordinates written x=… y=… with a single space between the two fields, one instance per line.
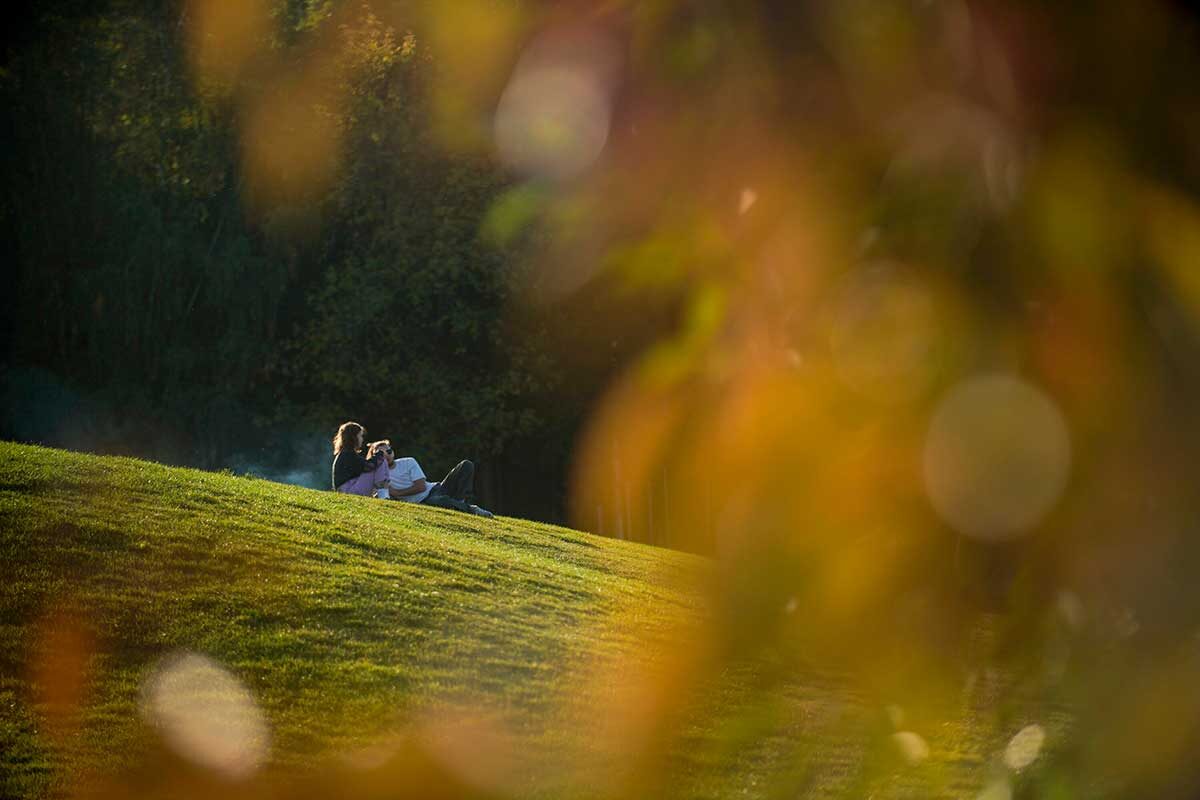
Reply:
x=407 y=482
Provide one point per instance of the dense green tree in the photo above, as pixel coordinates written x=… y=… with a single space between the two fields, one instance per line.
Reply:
x=184 y=302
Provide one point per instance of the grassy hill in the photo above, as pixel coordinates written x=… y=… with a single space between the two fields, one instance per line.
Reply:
x=484 y=657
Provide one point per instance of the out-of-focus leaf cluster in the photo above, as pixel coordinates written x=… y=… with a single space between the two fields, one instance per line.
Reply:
x=934 y=358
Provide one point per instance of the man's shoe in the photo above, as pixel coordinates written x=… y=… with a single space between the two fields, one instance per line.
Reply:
x=481 y=512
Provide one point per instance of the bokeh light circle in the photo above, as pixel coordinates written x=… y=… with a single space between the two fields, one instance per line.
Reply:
x=996 y=458
x=552 y=121
x=206 y=715
x=1024 y=748
x=912 y=747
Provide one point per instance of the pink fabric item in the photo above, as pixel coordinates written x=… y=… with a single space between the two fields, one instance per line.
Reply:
x=365 y=484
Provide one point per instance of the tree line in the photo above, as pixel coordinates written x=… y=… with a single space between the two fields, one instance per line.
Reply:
x=168 y=301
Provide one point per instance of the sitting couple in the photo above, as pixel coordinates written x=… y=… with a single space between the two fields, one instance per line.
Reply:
x=383 y=475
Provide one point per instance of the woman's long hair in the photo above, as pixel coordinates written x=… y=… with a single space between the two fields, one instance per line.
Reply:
x=346 y=435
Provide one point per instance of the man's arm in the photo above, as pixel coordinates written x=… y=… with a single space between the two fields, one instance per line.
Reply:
x=417 y=487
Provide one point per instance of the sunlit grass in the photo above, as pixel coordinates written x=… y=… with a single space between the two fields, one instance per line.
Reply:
x=351 y=621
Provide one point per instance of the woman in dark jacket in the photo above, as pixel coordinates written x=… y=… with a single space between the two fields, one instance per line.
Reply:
x=353 y=474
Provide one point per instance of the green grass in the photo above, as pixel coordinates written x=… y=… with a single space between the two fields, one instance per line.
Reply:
x=351 y=620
